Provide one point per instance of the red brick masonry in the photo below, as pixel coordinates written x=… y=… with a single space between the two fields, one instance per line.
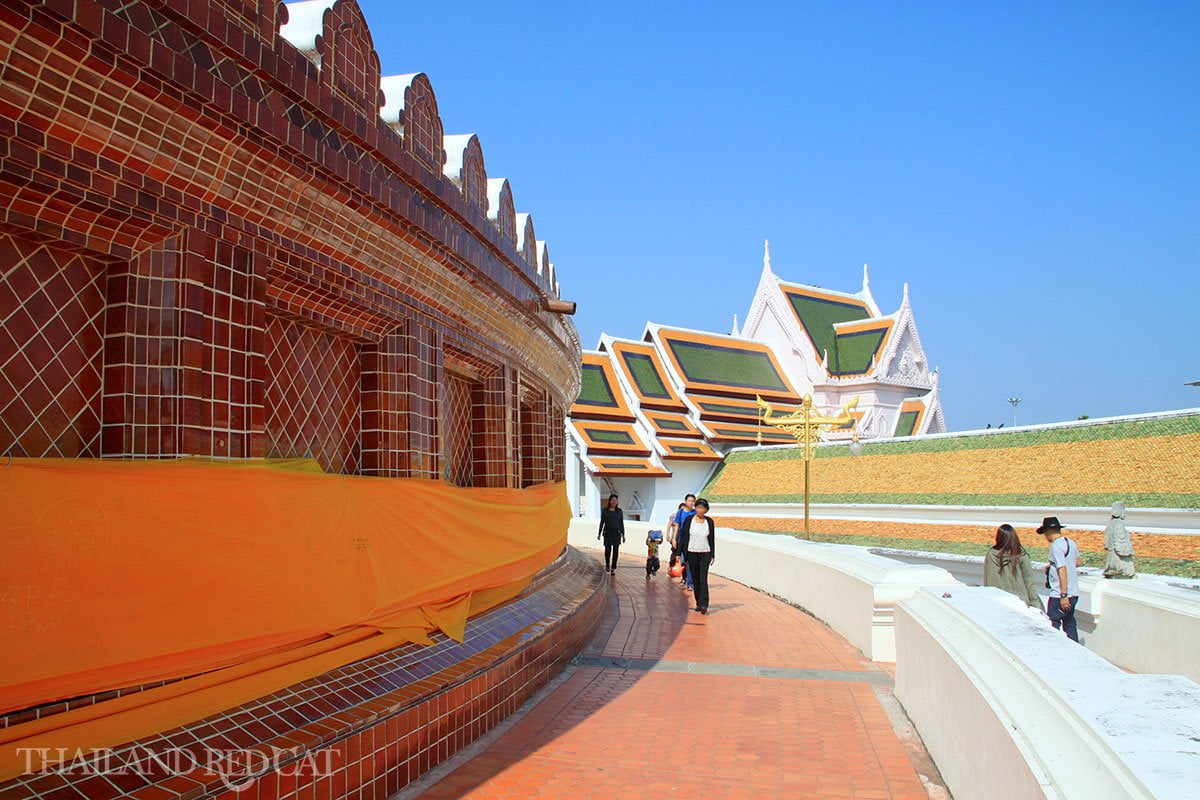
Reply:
x=209 y=245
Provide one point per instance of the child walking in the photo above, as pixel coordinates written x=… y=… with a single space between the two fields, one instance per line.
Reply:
x=653 y=542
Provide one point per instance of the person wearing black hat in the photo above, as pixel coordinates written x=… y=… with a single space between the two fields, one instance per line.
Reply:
x=1062 y=578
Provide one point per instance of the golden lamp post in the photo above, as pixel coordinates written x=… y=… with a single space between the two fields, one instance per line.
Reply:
x=806 y=424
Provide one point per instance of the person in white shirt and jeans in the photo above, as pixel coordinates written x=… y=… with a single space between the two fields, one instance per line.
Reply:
x=1062 y=577
x=697 y=540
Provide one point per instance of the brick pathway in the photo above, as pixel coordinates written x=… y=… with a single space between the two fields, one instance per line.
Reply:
x=755 y=700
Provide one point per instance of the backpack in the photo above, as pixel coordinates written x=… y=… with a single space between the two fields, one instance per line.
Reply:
x=1051 y=564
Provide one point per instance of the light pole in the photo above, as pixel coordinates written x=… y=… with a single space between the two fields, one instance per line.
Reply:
x=806 y=425
x=1014 y=402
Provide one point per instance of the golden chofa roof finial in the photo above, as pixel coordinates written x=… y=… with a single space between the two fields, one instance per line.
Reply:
x=806 y=425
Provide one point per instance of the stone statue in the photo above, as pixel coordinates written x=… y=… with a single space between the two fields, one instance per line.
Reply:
x=1119 y=545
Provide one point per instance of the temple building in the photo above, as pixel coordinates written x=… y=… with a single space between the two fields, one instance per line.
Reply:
x=656 y=415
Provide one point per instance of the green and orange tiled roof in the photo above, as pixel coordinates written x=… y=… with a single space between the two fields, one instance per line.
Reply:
x=725 y=365
x=646 y=376
x=839 y=326
x=733 y=408
x=599 y=394
x=689 y=449
x=610 y=437
x=613 y=465
x=667 y=424
x=909 y=420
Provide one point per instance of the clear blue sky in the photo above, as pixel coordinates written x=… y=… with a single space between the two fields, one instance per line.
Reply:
x=1032 y=170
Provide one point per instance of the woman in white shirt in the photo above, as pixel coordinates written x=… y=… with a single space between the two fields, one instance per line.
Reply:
x=700 y=550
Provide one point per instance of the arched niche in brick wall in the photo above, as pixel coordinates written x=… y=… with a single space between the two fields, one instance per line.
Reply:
x=410 y=108
x=527 y=240
x=464 y=166
x=500 y=208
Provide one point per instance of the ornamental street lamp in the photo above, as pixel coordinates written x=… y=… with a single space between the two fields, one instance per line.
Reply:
x=806 y=425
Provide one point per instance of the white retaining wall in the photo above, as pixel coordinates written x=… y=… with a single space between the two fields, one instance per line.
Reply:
x=1145 y=625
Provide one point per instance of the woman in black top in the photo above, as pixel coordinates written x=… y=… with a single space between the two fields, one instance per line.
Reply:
x=612 y=528
x=700 y=550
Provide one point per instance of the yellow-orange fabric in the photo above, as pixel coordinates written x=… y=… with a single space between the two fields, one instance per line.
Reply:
x=256 y=574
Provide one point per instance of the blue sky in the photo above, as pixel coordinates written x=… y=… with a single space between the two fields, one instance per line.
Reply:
x=1032 y=170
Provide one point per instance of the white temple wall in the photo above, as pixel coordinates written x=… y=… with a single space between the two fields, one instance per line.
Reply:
x=583 y=488
x=688 y=477
x=573 y=480
x=636 y=495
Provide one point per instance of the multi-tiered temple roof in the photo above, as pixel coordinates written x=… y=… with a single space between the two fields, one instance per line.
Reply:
x=682 y=394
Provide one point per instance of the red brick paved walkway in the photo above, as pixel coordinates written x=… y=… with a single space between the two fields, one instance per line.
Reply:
x=609 y=732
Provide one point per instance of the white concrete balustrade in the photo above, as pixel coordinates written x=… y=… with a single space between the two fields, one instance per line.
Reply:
x=1145 y=625
x=851 y=590
x=1148 y=624
x=1009 y=707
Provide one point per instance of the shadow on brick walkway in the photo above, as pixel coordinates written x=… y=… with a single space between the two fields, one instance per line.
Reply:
x=755 y=700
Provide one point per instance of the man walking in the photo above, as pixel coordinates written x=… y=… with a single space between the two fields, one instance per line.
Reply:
x=1062 y=578
x=681 y=516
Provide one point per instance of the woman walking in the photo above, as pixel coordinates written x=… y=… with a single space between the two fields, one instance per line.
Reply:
x=612 y=528
x=1006 y=566
x=698 y=540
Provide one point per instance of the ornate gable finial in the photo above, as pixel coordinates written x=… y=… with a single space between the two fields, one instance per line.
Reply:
x=904 y=300
x=767 y=257
x=734 y=330
x=866 y=295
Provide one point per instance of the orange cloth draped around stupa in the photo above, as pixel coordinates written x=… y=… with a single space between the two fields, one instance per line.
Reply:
x=258 y=575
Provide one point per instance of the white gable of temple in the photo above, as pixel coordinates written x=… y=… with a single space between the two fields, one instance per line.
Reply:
x=831 y=362
x=770 y=320
x=906 y=361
